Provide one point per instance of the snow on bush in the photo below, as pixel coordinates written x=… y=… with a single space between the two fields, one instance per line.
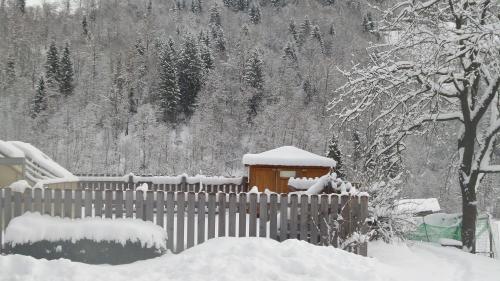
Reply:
x=33 y=227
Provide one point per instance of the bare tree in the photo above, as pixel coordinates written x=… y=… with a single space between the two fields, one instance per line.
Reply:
x=441 y=63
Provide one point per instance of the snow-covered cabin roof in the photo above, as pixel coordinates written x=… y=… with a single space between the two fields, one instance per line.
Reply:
x=288 y=156
x=418 y=205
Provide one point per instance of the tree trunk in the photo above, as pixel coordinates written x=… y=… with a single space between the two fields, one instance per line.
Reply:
x=469 y=211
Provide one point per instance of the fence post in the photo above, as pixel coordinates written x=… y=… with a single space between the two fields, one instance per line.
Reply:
x=363 y=248
x=244 y=184
x=497 y=209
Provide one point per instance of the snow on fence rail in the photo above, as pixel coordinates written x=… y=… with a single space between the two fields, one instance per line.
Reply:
x=191 y=218
x=184 y=183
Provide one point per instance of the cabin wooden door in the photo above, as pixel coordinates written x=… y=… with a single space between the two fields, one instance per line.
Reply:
x=264 y=178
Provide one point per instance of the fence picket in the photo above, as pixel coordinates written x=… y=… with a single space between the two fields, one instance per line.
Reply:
x=263 y=215
x=242 y=210
x=37 y=202
x=118 y=203
x=180 y=222
x=68 y=203
x=222 y=215
x=149 y=205
x=304 y=217
x=293 y=216
x=232 y=215
x=57 y=202
x=88 y=202
x=200 y=211
x=7 y=206
x=273 y=216
x=108 y=203
x=333 y=213
x=2 y=227
x=252 y=228
x=211 y=216
x=28 y=200
x=313 y=221
x=139 y=205
x=284 y=217
x=47 y=201
x=78 y=203
x=190 y=219
x=129 y=203
x=170 y=220
x=160 y=208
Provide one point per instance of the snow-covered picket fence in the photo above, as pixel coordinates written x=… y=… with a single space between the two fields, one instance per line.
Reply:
x=191 y=218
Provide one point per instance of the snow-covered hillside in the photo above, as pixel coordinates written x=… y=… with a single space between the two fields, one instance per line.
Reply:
x=263 y=259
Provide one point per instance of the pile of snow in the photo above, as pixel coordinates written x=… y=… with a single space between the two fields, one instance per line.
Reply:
x=216 y=180
x=248 y=259
x=302 y=183
x=33 y=227
x=143 y=187
x=332 y=181
x=20 y=186
x=288 y=156
x=414 y=206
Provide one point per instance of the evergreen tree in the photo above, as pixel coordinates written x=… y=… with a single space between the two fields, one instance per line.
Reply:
x=368 y=24
x=254 y=78
x=215 y=19
x=196 y=6
x=290 y=54
x=331 y=30
x=21 y=5
x=219 y=39
x=10 y=72
x=168 y=88
x=52 y=66
x=292 y=28
x=191 y=69
x=39 y=103
x=85 y=26
x=66 y=73
x=305 y=31
x=206 y=56
x=316 y=34
x=334 y=153
x=254 y=14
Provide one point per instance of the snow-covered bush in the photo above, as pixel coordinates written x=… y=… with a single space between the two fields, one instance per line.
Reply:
x=387 y=222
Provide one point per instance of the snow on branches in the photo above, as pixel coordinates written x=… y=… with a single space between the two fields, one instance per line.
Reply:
x=440 y=63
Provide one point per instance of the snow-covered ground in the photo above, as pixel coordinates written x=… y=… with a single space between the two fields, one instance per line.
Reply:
x=264 y=259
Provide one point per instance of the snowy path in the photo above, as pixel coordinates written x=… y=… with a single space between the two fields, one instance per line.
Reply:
x=246 y=259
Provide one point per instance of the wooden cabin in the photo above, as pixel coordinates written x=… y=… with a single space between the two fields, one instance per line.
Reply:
x=272 y=169
x=11 y=164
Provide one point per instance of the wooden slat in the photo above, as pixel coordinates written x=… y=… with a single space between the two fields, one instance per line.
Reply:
x=108 y=206
x=252 y=228
x=129 y=203
x=304 y=217
x=333 y=214
x=363 y=248
x=28 y=200
x=7 y=206
x=222 y=215
x=160 y=208
x=149 y=205
x=170 y=220
x=139 y=205
x=263 y=215
x=273 y=216
x=57 y=202
x=191 y=202
x=78 y=203
x=242 y=210
x=232 y=215
x=88 y=202
x=18 y=204
x=37 y=202
x=323 y=220
x=313 y=222
x=211 y=216
x=294 y=206
x=179 y=247
x=200 y=211
x=99 y=202
x=284 y=217
x=2 y=227
x=68 y=203
x=118 y=203
x=47 y=201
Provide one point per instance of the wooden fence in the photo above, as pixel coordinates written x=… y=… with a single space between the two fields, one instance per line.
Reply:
x=192 y=218
x=115 y=182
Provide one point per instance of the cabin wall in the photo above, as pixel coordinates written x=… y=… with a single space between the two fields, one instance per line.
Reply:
x=8 y=175
x=275 y=178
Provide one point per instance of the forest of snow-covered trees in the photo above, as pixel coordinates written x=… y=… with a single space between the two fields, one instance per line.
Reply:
x=167 y=87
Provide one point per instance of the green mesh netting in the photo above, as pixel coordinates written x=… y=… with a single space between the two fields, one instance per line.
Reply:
x=433 y=227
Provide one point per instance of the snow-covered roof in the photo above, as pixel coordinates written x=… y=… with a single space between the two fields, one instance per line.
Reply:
x=9 y=150
x=288 y=156
x=418 y=205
